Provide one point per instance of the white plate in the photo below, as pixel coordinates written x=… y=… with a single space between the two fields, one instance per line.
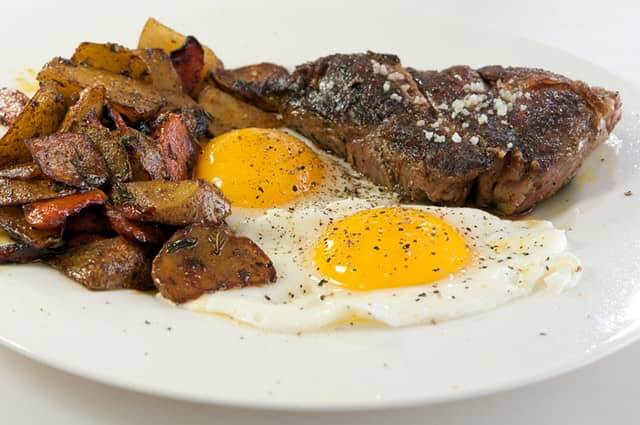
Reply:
x=136 y=342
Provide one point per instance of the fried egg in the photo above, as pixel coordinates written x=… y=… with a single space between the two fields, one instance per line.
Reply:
x=347 y=252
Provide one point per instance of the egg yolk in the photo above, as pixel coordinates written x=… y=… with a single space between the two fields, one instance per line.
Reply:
x=260 y=168
x=388 y=248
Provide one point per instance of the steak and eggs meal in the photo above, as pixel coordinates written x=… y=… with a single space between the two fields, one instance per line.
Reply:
x=350 y=190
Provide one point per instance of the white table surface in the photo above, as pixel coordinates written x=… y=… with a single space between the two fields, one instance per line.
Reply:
x=606 y=33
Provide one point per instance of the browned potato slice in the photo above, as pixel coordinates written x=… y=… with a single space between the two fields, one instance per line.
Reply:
x=228 y=113
x=18 y=192
x=69 y=158
x=247 y=81
x=133 y=99
x=112 y=58
x=89 y=106
x=13 y=222
x=111 y=148
x=173 y=203
x=144 y=155
x=162 y=74
x=155 y=34
x=17 y=252
x=26 y=171
x=42 y=116
x=205 y=258
x=106 y=264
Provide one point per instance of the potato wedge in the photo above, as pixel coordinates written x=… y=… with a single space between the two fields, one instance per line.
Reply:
x=173 y=203
x=106 y=264
x=69 y=158
x=52 y=213
x=162 y=74
x=18 y=192
x=146 y=160
x=111 y=148
x=112 y=58
x=133 y=99
x=13 y=221
x=205 y=258
x=20 y=253
x=42 y=116
x=25 y=171
x=158 y=35
x=228 y=113
x=90 y=105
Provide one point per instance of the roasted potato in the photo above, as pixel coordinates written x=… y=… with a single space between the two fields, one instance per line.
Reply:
x=112 y=58
x=173 y=203
x=90 y=105
x=12 y=102
x=228 y=113
x=144 y=155
x=13 y=221
x=80 y=239
x=69 y=158
x=206 y=258
x=133 y=99
x=52 y=213
x=111 y=148
x=17 y=253
x=18 y=192
x=107 y=264
x=155 y=34
x=42 y=116
x=25 y=171
x=162 y=74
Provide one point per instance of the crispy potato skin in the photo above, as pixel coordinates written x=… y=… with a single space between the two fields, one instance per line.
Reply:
x=12 y=102
x=177 y=147
x=113 y=58
x=69 y=158
x=172 y=203
x=52 y=213
x=204 y=258
x=111 y=148
x=90 y=105
x=133 y=99
x=12 y=221
x=18 y=192
x=107 y=264
x=229 y=113
x=162 y=74
x=158 y=35
x=41 y=116
x=25 y=171
x=188 y=61
x=19 y=253
x=135 y=230
x=145 y=157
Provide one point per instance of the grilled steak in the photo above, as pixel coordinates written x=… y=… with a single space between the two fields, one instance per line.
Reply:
x=498 y=138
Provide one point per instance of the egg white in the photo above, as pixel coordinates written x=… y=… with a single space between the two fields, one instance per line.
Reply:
x=511 y=259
